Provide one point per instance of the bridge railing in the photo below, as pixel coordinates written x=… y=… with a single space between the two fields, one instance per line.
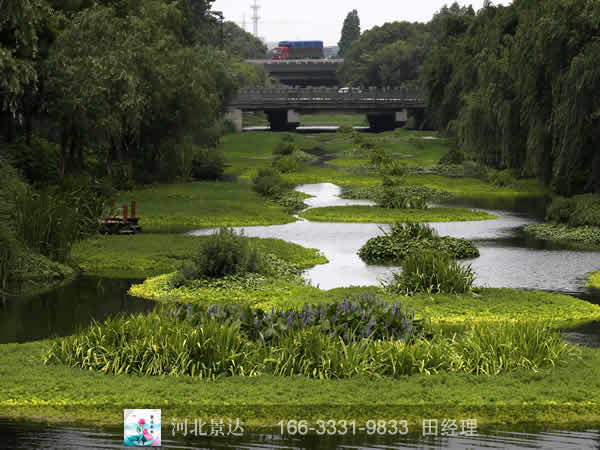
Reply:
x=325 y=94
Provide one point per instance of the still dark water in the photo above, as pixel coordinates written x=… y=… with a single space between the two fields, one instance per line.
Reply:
x=23 y=435
x=61 y=311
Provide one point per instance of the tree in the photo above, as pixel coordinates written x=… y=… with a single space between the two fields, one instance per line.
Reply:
x=385 y=56
x=241 y=43
x=350 y=32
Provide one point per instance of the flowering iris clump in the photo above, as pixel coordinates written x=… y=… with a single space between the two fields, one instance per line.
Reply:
x=361 y=316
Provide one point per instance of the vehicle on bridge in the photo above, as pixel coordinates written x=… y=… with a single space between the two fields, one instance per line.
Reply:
x=299 y=50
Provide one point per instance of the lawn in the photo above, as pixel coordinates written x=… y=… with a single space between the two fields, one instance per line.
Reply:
x=567 y=395
x=183 y=207
x=146 y=255
x=374 y=214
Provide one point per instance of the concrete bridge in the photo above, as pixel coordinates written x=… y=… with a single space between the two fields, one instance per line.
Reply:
x=385 y=108
x=301 y=72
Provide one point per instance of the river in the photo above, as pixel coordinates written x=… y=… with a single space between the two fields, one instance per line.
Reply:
x=508 y=259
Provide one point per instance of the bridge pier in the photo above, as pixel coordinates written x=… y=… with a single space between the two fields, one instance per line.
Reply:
x=235 y=116
x=283 y=120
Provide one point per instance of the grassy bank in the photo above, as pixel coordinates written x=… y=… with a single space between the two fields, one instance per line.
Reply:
x=565 y=395
x=146 y=255
x=372 y=214
x=594 y=280
x=182 y=207
x=580 y=237
x=488 y=305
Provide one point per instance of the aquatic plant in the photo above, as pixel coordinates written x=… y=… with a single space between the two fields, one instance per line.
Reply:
x=403 y=239
x=362 y=315
x=160 y=344
x=433 y=273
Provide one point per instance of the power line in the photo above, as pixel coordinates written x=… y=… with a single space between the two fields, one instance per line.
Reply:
x=255 y=17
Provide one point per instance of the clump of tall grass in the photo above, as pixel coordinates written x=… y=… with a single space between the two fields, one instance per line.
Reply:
x=158 y=344
x=46 y=224
x=433 y=273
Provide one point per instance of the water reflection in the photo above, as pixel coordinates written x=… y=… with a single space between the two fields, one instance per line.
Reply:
x=62 y=311
x=27 y=435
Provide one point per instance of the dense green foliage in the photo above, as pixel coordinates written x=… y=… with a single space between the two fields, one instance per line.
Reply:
x=389 y=55
x=517 y=85
x=225 y=252
x=361 y=316
x=160 y=345
x=350 y=32
x=580 y=210
x=404 y=239
x=241 y=43
x=74 y=97
x=433 y=273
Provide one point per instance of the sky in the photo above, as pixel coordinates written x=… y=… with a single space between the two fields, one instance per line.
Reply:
x=322 y=20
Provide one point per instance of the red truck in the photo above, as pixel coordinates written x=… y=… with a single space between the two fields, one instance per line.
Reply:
x=299 y=50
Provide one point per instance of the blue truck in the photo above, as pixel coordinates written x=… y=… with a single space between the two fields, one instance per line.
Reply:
x=299 y=50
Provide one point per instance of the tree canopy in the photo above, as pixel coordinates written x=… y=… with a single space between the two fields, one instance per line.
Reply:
x=388 y=55
x=350 y=32
x=519 y=87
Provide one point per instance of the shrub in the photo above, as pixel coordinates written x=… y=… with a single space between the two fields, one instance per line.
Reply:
x=268 y=182
x=433 y=273
x=580 y=210
x=38 y=162
x=454 y=156
x=208 y=164
x=291 y=200
x=503 y=178
x=392 y=195
x=286 y=164
x=403 y=239
x=285 y=148
x=345 y=129
x=226 y=252
x=418 y=143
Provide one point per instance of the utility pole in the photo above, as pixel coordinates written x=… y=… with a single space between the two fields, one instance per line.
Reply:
x=244 y=22
x=255 y=17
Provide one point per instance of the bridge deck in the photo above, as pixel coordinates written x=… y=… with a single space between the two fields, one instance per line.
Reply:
x=329 y=99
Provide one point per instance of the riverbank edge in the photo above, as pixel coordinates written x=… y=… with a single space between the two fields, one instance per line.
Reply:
x=581 y=238
x=594 y=280
x=554 y=397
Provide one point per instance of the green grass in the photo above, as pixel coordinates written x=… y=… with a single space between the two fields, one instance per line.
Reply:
x=373 y=214
x=146 y=255
x=594 y=280
x=582 y=236
x=182 y=207
x=257 y=291
x=357 y=120
x=564 y=396
x=484 y=306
